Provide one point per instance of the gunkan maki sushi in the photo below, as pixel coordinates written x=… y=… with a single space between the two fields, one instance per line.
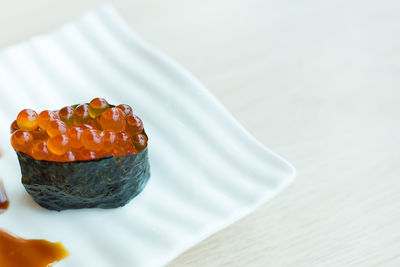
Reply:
x=82 y=156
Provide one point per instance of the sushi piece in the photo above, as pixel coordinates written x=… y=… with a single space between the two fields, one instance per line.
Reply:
x=82 y=156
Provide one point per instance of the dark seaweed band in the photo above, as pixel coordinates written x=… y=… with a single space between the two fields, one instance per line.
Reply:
x=108 y=182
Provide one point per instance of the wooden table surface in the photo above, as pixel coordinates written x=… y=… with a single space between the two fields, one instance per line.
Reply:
x=318 y=82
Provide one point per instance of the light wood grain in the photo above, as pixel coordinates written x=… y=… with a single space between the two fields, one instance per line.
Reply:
x=316 y=81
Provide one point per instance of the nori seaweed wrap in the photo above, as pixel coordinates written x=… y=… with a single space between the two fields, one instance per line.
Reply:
x=109 y=182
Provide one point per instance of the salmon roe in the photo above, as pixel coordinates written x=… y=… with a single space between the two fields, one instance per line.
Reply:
x=56 y=127
x=82 y=114
x=14 y=126
x=45 y=117
x=27 y=120
x=58 y=145
x=79 y=132
x=109 y=140
x=74 y=134
x=92 y=140
x=67 y=115
x=140 y=141
x=40 y=151
x=113 y=119
x=85 y=154
x=66 y=157
x=39 y=134
x=97 y=106
x=134 y=125
x=125 y=108
x=21 y=140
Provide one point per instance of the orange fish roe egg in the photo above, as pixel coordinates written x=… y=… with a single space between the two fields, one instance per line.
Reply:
x=109 y=139
x=85 y=154
x=124 y=145
x=92 y=140
x=82 y=114
x=58 y=144
x=22 y=141
x=66 y=157
x=67 y=115
x=133 y=125
x=113 y=119
x=14 y=127
x=123 y=139
x=117 y=152
x=97 y=106
x=125 y=108
x=45 y=117
x=140 y=141
x=39 y=134
x=27 y=120
x=56 y=127
x=40 y=151
x=74 y=134
x=120 y=151
x=95 y=123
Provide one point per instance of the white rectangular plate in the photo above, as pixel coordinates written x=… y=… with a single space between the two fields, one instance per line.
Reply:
x=207 y=171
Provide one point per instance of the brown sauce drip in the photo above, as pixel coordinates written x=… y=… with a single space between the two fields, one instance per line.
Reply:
x=18 y=252
x=3 y=198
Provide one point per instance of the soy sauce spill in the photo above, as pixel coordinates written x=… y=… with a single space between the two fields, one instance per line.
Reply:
x=3 y=198
x=19 y=252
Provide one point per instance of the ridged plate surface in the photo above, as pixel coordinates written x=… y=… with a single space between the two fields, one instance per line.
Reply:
x=207 y=171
